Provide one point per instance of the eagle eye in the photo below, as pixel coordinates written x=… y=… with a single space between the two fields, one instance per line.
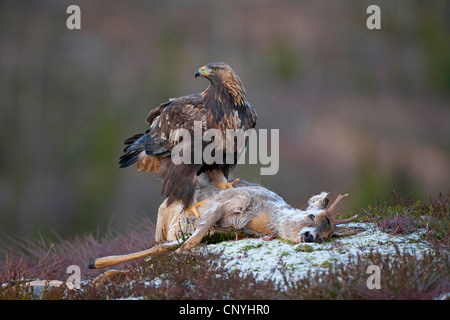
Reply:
x=214 y=69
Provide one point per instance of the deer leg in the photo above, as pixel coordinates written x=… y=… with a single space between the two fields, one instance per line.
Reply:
x=113 y=260
x=207 y=220
x=226 y=204
x=106 y=276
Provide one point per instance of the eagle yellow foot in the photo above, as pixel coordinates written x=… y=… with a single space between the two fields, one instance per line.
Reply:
x=227 y=185
x=193 y=208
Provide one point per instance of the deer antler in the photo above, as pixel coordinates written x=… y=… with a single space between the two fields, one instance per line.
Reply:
x=331 y=212
x=336 y=221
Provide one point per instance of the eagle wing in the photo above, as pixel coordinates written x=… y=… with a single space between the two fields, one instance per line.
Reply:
x=177 y=113
x=246 y=119
x=181 y=113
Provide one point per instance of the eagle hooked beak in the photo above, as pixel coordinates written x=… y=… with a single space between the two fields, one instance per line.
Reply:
x=202 y=72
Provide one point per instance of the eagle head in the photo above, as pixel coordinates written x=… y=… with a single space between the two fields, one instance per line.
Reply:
x=221 y=75
x=216 y=72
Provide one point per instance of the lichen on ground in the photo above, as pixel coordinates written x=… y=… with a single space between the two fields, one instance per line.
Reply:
x=269 y=259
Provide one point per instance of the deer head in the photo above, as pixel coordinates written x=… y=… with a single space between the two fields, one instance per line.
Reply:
x=322 y=225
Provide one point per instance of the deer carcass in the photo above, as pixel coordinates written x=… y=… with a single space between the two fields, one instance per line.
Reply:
x=247 y=207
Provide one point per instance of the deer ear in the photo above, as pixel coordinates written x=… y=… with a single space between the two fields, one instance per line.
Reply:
x=319 y=201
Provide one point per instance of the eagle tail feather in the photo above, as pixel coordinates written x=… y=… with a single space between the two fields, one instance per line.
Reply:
x=134 y=146
x=129 y=158
x=133 y=139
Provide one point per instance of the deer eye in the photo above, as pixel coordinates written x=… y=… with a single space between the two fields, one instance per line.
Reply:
x=312 y=217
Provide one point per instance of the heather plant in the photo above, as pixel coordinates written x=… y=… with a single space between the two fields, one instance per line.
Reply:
x=404 y=216
x=202 y=274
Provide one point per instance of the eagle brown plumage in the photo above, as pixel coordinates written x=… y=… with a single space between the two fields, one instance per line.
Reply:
x=223 y=105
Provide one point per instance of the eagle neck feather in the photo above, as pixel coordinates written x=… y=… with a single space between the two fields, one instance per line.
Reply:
x=231 y=93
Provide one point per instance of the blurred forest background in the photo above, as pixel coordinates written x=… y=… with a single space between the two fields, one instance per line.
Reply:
x=359 y=111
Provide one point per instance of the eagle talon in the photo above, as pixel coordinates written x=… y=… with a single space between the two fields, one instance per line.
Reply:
x=193 y=208
x=227 y=185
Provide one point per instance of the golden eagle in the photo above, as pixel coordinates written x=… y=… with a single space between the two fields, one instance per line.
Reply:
x=223 y=105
